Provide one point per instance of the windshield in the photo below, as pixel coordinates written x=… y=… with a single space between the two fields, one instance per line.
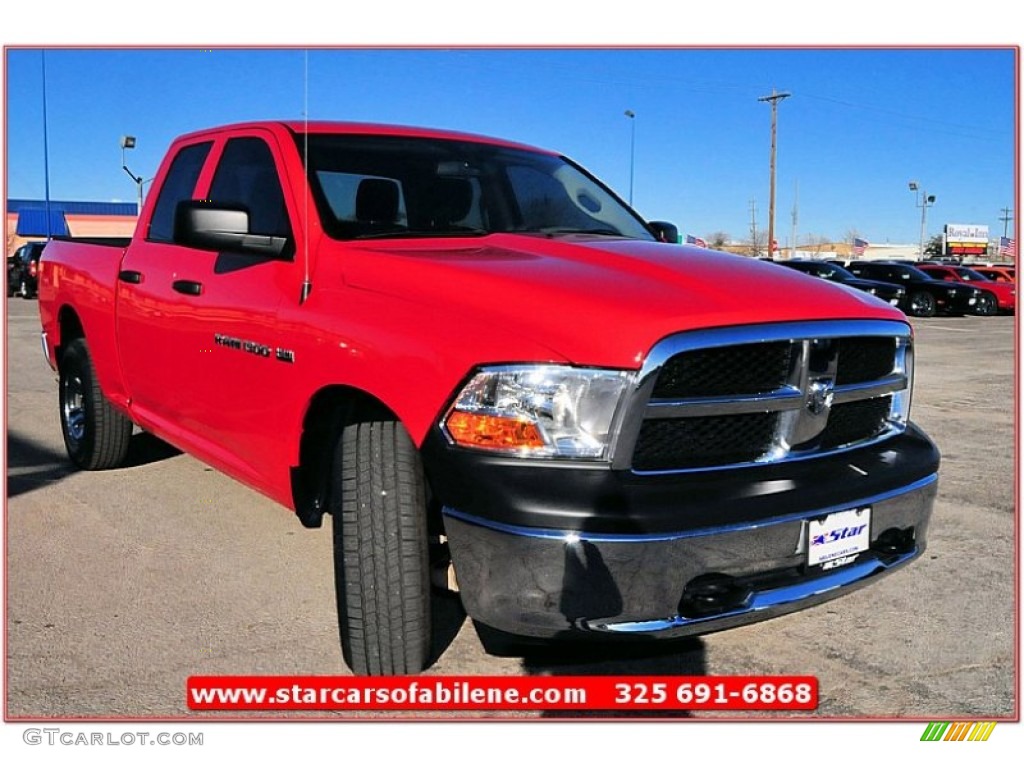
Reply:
x=820 y=269
x=907 y=274
x=397 y=186
x=833 y=272
x=971 y=276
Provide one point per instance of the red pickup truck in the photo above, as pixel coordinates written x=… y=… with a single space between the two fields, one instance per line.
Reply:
x=493 y=375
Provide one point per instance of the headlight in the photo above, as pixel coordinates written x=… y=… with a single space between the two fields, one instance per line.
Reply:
x=900 y=413
x=539 y=410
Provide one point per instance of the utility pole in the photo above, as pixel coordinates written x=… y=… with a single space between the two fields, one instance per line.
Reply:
x=753 y=228
x=774 y=100
x=1006 y=218
x=796 y=210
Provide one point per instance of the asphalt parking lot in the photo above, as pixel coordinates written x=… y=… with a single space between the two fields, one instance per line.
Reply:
x=121 y=584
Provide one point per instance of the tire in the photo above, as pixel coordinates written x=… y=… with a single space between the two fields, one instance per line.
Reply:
x=23 y=290
x=988 y=305
x=96 y=435
x=922 y=304
x=381 y=561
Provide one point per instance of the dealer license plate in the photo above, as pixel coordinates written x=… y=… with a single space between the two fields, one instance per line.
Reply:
x=838 y=538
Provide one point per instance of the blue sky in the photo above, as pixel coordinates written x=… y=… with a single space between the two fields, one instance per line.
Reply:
x=860 y=124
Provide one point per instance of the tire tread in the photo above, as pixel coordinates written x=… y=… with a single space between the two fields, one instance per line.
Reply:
x=380 y=550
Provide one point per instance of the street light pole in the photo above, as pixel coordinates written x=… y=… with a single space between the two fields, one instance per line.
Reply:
x=922 y=200
x=128 y=142
x=632 y=150
x=774 y=100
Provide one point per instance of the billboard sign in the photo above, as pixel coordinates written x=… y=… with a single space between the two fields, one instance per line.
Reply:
x=966 y=239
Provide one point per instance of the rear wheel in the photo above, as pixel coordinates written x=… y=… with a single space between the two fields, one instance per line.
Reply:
x=381 y=562
x=96 y=435
x=922 y=304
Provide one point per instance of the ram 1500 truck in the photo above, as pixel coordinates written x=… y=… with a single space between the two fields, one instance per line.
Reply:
x=492 y=374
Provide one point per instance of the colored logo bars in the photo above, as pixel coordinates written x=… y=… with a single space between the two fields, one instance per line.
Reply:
x=958 y=731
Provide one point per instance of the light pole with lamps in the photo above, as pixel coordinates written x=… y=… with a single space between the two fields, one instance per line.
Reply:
x=128 y=142
x=632 y=150
x=922 y=200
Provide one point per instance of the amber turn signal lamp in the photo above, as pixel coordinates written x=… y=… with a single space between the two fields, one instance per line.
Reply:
x=476 y=430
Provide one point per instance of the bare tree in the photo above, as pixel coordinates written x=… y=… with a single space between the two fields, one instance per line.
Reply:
x=817 y=243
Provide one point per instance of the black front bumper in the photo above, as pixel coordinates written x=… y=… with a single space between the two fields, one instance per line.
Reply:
x=960 y=304
x=543 y=548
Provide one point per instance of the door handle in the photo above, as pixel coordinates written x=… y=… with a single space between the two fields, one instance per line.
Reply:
x=129 y=276
x=187 y=287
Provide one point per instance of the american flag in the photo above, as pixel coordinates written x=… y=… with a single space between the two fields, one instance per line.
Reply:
x=691 y=240
x=859 y=246
x=1007 y=247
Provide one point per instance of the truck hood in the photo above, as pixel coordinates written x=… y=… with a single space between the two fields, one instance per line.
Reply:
x=596 y=300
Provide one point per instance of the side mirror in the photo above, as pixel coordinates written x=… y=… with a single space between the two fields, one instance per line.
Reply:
x=665 y=231
x=210 y=227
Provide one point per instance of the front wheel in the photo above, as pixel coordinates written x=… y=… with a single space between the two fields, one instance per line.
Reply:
x=96 y=435
x=381 y=561
x=922 y=304
x=987 y=305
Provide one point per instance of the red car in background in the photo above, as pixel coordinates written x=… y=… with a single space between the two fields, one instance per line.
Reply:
x=998 y=274
x=1003 y=296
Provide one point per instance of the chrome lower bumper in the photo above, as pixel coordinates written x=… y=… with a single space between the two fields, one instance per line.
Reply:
x=546 y=583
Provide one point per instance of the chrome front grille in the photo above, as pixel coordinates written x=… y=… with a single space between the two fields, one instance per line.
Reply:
x=737 y=396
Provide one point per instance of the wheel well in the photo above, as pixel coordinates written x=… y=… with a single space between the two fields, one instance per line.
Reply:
x=70 y=329
x=329 y=411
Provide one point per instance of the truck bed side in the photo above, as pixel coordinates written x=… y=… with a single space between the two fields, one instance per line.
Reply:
x=77 y=289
